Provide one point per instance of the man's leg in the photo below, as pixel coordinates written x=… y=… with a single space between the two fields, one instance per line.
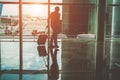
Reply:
x=55 y=40
x=51 y=40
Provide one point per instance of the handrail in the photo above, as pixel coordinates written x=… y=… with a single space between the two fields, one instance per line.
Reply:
x=15 y=38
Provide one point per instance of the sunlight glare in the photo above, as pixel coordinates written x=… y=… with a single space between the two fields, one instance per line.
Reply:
x=36 y=10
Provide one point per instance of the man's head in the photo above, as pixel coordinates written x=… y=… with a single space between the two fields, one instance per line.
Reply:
x=57 y=8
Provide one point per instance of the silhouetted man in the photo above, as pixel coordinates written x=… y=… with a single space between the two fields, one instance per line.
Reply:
x=55 y=25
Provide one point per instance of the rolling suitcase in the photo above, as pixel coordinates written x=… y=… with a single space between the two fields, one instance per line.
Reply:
x=42 y=38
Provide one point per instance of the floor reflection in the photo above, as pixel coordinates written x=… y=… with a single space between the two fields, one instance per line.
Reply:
x=54 y=67
x=42 y=53
x=75 y=59
x=78 y=59
x=115 y=60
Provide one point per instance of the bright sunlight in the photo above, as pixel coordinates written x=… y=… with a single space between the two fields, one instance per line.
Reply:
x=35 y=10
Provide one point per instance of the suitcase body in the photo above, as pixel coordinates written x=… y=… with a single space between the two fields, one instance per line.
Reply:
x=42 y=39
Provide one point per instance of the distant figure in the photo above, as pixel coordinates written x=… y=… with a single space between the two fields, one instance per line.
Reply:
x=55 y=25
x=54 y=68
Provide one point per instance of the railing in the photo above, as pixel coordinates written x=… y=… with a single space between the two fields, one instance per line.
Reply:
x=15 y=38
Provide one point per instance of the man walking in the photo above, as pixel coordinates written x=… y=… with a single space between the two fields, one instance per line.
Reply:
x=55 y=25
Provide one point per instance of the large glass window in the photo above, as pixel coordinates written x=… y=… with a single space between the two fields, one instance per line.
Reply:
x=34 y=17
x=112 y=22
x=77 y=17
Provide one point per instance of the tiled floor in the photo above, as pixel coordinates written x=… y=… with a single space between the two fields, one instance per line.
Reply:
x=75 y=59
x=78 y=59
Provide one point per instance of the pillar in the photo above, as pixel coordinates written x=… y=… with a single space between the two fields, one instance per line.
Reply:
x=75 y=17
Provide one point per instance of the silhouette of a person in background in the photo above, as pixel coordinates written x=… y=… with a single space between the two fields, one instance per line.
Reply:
x=55 y=26
x=54 y=68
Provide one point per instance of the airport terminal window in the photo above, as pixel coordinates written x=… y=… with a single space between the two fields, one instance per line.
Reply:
x=9 y=24
x=68 y=9
x=37 y=20
x=9 y=59
x=77 y=18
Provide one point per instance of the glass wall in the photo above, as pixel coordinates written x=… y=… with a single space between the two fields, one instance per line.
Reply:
x=77 y=17
x=112 y=22
x=113 y=30
x=34 y=18
x=9 y=45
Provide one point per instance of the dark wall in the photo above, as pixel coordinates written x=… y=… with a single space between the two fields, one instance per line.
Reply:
x=78 y=19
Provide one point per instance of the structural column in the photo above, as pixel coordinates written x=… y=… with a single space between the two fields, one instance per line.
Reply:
x=100 y=40
x=21 y=42
x=75 y=16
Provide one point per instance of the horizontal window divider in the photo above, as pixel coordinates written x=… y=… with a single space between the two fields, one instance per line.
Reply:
x=83 y=4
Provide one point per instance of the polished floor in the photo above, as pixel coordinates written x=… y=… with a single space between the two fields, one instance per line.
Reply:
x=75 y=59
